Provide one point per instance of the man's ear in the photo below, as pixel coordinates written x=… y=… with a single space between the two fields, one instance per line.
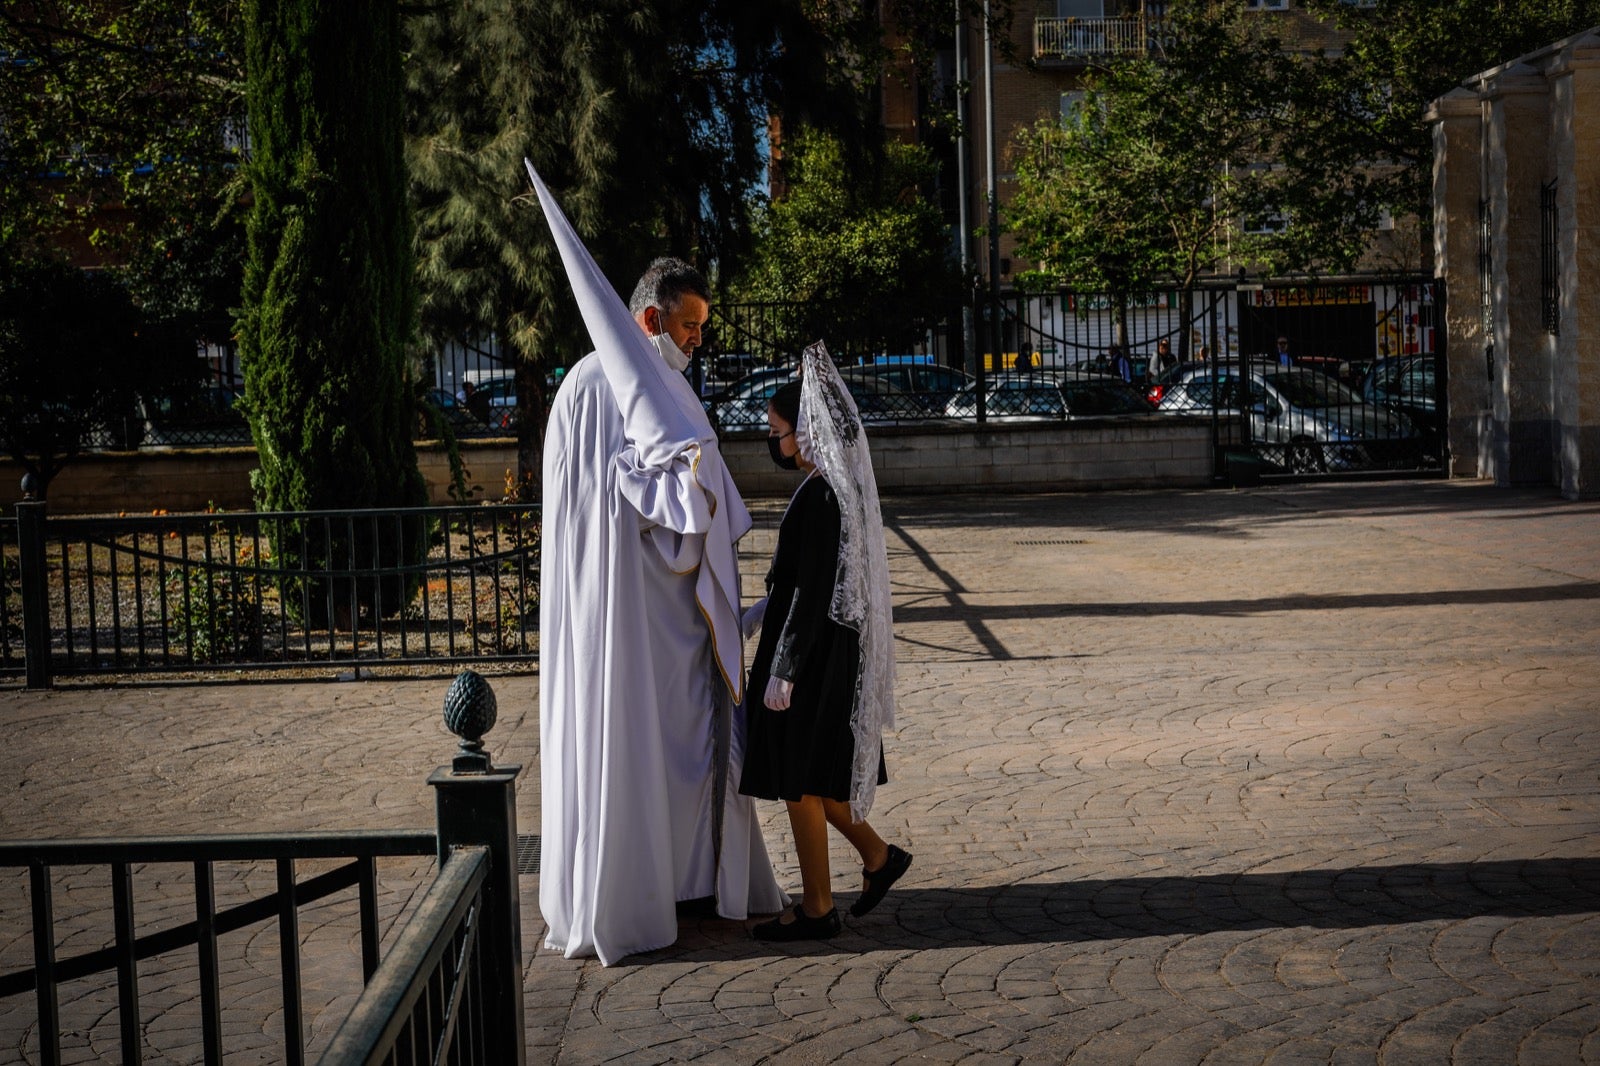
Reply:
x=652 y=321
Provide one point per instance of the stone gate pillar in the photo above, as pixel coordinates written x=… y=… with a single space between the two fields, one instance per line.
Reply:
x=1516 y=124
x=1457 y=123
x=1575 y=133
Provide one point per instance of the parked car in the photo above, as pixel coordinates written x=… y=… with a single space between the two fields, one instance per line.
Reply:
x=721 y=372
x=499 y=410
x=1156 y=389
x=1406 y=383
x=1043 y=395
x=744 y=407
x=1311 y=421
x=929 y=384
x=206 y=415
x=452 y=409
x=1138 y=366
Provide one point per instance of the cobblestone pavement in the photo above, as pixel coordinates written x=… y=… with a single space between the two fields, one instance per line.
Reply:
x=1290 y=774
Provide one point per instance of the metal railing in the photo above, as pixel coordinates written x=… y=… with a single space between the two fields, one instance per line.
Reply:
x=11 y=646
x=122 y=857
x=447 y=990
x=1370 y=340
x=429 y=1005
x=1092 y=38
x=199 y=592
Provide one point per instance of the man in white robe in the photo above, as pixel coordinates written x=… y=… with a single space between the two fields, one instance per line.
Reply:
x=641 y=655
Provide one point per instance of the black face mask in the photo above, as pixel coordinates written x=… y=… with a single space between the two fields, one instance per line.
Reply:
x=787 y=462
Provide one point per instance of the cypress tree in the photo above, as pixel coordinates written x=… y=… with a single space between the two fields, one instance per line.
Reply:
x=329 y=300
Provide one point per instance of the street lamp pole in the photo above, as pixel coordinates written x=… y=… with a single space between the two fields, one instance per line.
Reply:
x=963 y=234
x=994 y=213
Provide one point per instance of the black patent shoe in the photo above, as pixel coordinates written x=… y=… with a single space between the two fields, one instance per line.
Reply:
x=880 y=880
x=804 y=927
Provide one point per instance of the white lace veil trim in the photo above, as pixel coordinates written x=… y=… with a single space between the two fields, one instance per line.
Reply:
x=830 y=427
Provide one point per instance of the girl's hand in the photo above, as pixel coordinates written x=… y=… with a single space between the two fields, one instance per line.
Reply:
x=778 y=693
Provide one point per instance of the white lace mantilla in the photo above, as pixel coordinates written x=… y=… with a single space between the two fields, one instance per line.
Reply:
x=830 y=429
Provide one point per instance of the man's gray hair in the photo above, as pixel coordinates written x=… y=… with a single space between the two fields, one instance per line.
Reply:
x=663 y=285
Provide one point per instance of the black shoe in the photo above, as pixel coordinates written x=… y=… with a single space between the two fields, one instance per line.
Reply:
x=879 y=881
x=804 y=927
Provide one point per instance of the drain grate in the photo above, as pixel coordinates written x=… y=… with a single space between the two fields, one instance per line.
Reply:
x=1047 y=543
x=527 y=853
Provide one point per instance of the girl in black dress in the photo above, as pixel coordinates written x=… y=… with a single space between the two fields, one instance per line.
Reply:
x=803 y=686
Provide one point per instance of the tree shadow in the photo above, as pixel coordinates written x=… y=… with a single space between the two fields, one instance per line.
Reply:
x=1065 y=912
x=908 y=614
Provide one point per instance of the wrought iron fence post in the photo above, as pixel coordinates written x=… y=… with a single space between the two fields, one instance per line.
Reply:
x=33 y=578
x=476 y=803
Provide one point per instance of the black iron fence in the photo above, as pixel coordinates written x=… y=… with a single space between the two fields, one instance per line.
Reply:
x=121 y=858
x=199 y=592
x=447 y=990
x=1327 y=376
x=429 y=1006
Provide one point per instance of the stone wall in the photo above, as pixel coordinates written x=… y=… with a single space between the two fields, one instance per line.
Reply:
x=1524 y=392
x=1025 y=457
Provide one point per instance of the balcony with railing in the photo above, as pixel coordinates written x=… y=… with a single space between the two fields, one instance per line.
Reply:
x=1084 y=39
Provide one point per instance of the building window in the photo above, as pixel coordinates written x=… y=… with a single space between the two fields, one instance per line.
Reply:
x=1267 y=5
x=1267 y=222
x=1549 y=259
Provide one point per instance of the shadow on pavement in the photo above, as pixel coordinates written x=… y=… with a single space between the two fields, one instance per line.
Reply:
x=1137 y=907
x=963 y=612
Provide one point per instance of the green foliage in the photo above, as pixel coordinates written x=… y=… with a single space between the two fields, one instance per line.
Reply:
x=114 y=147
x=1366 y=102
x=52 y=316
x=1144 y=183
x=857 y=248
x=1150 y=181
x=215 y=613
x=647 y=120
x=329 y=293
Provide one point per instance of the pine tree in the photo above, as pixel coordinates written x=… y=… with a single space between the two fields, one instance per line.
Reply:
x=329 y=294
x=647 y=120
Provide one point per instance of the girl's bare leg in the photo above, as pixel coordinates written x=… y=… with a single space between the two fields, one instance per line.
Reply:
x=865 y=839
x=809 y=825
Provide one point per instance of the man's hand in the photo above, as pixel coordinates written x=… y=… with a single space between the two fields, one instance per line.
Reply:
x=778 y=693
x=750 y=621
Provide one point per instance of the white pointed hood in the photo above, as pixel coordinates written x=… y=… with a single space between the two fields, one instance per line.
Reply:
x=671 y=471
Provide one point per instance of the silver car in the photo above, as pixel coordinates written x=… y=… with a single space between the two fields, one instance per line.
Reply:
x=1307 y=421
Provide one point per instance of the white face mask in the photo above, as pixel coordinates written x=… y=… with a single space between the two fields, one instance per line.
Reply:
x=669 y=349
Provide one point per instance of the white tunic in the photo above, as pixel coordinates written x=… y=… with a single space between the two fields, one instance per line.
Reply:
x=636 y=703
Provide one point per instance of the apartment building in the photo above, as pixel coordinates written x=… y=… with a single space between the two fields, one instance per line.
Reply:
x=1037 y=70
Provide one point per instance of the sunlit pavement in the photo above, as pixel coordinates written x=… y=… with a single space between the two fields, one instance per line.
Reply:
x=1292 y=774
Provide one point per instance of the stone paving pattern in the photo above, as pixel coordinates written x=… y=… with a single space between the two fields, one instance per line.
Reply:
x=1292 y=774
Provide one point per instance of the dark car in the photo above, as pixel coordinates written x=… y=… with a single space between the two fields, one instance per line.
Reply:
x=744 y=407
x=1406 y=383
x=451 y=409
x=927 y=383
x=1048 y=396
x=206 y=415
